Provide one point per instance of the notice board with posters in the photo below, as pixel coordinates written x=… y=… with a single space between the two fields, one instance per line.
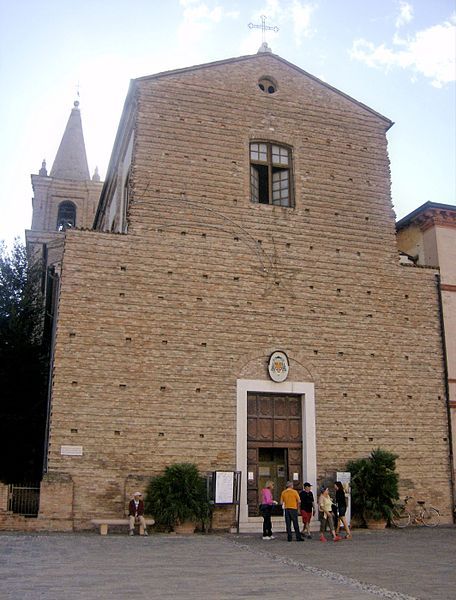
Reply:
x=224 y=488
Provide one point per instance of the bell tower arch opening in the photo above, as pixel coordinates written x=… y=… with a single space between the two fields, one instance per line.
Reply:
x=66 y=216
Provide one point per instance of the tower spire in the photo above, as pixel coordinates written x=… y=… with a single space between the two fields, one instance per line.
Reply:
x=71 y=158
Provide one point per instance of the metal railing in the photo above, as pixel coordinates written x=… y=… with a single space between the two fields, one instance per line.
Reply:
x=24 y=498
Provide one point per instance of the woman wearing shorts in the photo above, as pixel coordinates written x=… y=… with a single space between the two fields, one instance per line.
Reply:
x=341 y=502
x=307 y=508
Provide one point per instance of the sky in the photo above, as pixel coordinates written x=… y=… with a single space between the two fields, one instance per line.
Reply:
x=396 y=56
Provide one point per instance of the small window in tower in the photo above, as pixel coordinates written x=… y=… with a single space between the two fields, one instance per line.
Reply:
x=270 y=174
x=66 y=217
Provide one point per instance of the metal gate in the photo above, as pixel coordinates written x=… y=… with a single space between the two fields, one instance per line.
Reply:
x=24 y=498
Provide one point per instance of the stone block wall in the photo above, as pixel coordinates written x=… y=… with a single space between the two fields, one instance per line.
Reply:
x=3 y=497
x=56 y=497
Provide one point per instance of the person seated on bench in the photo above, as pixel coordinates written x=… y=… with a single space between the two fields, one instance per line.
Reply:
x=136 y=512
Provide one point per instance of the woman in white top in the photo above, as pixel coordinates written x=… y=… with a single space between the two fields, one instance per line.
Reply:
x=326 y=515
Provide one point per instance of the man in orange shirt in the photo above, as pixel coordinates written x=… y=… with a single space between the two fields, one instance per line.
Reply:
x=291 y=502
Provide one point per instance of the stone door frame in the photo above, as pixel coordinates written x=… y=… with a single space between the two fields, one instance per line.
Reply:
x=309 y=443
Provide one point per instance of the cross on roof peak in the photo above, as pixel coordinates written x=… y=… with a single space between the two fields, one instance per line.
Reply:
x=263 y=28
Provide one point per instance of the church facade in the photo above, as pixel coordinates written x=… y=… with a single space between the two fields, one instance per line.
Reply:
x=240 y=302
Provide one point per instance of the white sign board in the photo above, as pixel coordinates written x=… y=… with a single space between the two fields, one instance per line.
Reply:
x=71 y=450
x=224 y=487
x=344 y=477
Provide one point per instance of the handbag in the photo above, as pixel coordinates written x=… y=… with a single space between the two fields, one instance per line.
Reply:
x=265 y=508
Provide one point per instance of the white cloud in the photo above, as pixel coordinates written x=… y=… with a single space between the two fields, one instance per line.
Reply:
x=272 y=9
x=405 y=14
x=199 y=18
x=301 y=13
x=430 y=53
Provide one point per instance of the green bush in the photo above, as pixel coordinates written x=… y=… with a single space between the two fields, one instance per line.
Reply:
x=177 y=496
x=374 y=485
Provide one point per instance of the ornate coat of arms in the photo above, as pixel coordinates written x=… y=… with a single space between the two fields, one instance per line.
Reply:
x=278 y=366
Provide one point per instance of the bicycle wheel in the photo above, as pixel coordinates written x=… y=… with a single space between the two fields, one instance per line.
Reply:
x=401 y=518
x=430 y=517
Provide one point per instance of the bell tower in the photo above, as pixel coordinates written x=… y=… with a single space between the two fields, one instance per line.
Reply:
x=66 y=197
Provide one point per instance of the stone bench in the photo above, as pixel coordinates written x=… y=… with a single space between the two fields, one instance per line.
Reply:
x=104 y=524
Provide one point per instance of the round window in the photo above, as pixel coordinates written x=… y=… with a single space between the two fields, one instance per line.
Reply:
x=267 y=85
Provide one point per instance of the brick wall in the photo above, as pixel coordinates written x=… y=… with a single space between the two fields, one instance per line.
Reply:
x=56 y=497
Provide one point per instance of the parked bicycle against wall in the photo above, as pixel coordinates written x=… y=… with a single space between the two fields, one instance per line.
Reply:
x=421 y=515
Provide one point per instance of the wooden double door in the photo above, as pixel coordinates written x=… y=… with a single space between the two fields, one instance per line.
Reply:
x=274 y=444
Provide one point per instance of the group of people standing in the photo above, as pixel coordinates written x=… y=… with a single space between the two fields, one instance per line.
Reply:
x=331 y=512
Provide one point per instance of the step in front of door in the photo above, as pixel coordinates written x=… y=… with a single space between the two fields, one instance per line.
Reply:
x=255 y=525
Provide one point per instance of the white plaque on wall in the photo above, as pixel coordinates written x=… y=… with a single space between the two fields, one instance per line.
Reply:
x=71 y=450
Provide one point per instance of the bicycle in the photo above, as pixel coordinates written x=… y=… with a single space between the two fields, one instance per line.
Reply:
x=422 y=515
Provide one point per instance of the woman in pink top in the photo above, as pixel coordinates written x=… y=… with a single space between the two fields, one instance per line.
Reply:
x=267 y=502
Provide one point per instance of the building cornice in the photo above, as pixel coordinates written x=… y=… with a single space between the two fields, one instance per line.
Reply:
x=430 y=214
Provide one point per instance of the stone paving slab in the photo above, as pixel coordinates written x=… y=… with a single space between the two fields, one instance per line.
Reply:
x=417 y=561
x=401 y=565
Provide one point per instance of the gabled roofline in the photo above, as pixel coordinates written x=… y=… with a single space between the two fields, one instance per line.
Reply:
x=421 y=209
x=259 y=56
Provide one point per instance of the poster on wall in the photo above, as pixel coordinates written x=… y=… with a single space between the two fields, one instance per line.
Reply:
x=224 y=487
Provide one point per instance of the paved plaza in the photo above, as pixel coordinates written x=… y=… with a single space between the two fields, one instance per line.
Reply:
x=399 y=564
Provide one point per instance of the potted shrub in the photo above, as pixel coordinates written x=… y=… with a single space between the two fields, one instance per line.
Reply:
x=178 y=498
x=374 y=487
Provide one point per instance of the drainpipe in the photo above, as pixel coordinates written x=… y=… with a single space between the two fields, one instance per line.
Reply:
x=447 y=389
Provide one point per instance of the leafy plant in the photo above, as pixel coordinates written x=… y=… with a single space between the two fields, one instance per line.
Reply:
x=24 y=359
x=374 y=485
x=177 y=496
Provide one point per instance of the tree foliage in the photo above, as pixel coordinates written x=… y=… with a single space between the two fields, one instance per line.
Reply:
x=23 y=366
x=177 y=496
x=374 y=485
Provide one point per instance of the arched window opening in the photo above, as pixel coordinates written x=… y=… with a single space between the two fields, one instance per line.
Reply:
x=66 y=217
